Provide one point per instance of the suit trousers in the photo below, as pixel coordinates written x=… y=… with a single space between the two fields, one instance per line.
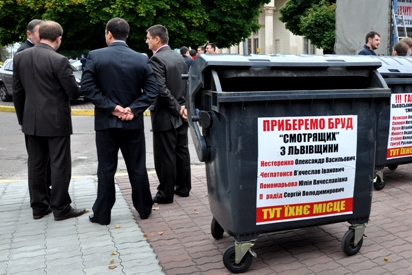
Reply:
x=133 y=147
x=172 y=162
x=56 y=150
x=48 y=172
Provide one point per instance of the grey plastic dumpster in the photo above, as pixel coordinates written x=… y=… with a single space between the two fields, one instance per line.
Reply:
x=287 y=141
x=394 y=141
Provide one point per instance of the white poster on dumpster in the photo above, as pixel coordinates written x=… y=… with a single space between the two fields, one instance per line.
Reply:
x=400 y=131
x=306 y=167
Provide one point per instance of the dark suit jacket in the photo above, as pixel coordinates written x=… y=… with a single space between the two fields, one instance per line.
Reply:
x=117 y=75
x=168 y=66
x=189 y=61
x=43 y=83
x=27 y=44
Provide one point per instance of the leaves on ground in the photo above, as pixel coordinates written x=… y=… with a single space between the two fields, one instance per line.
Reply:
x=386 y=259
x=111 y=261
x=117 y=226
x=160 y=233
x=146 y=236
x=114 y=253
x=112 y=267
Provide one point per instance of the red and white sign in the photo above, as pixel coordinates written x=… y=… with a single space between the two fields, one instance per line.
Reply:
x=400 y=131
x=405 y=7
x=306 y=167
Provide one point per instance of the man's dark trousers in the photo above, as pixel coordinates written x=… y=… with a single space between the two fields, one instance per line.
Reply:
x=170 y=148
x=57 y=150
x=133 y=147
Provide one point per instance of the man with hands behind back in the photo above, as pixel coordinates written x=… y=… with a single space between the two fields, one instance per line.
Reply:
x=121 y=85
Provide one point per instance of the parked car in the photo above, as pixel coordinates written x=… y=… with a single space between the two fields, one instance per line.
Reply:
x=6 y=79
x=77 y=64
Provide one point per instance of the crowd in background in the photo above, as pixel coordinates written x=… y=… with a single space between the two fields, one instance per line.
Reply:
x=189 y=55
x=373 y=40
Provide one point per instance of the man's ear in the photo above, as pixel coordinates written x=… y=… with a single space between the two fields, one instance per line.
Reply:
x=109 y=35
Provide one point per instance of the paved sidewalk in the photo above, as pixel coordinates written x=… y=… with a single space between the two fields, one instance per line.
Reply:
x=180 y=236
x=73 y=246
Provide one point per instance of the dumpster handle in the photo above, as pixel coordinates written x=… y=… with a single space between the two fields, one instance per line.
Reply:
x=218 y=89
x=199 y=140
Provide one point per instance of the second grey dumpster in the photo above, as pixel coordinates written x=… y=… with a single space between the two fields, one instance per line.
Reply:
x=394 y=142
x=287 y=141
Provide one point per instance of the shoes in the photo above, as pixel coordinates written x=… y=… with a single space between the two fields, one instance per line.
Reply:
x=160 y=200
x=182 y=194
x=94 y=220
x=36 y=217
x=145 y=217
x=72 y=214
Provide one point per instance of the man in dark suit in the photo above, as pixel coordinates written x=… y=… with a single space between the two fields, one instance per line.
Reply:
x=168 y=114
x=32 y=39
x=43 y=83
x=121 y=85
x=32 y=35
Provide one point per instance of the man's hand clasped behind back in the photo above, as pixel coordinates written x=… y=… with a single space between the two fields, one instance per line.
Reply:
x=123 y=113
x=183 y=111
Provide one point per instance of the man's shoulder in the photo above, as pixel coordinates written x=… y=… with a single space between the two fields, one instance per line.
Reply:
x=366 y=51
x=24 y=46
x=168 y=54
x=113 y=49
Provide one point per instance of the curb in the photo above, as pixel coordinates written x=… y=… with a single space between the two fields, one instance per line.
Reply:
x=78 y=112
x=75 y=112
x=7 y=109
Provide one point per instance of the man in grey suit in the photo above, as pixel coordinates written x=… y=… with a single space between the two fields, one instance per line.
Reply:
x=168 y=114
x=32 y=35
x=43 y=84
x=121 y=85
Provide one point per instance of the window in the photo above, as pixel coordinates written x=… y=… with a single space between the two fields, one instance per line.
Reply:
x=308 y=48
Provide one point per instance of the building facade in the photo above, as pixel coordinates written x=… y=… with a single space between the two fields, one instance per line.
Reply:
x=273 y=37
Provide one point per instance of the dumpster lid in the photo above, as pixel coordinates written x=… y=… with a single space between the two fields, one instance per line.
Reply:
x=400 y=66
x=288 y=61
x=392 y=66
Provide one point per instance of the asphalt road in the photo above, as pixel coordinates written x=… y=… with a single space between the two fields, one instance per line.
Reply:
x=13 y=150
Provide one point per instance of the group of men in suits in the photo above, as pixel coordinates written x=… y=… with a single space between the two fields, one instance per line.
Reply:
x=122 y=84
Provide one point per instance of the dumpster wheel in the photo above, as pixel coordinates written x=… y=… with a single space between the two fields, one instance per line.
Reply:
x=229 y=260
x=216 y=229
x=379 y=180
x=348 y=243
x=393 y=167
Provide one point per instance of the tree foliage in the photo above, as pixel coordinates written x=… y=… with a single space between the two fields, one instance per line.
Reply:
x=314 y=19
x=190 y=22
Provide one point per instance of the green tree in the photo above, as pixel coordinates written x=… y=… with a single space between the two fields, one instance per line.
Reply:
x=190 y=22
x=314 y=19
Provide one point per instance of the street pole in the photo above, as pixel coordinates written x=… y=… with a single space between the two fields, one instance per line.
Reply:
x=245 y=47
